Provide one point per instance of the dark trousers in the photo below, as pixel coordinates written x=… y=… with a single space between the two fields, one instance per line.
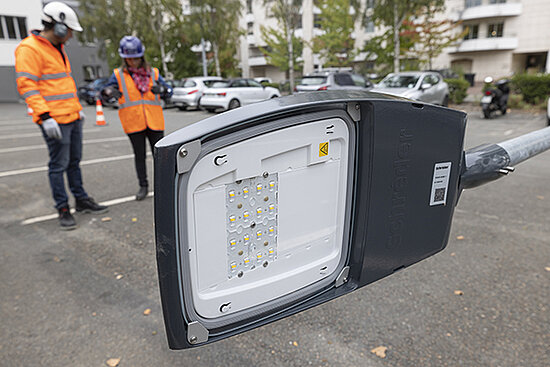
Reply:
x=138 y=143
x=65 y=155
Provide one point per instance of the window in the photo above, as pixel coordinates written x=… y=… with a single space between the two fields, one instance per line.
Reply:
x=358 y=80
x=472 y=3
x=316 y=21
x=472 y=31
x=495 y=30
x=369 y=25
x=497 y=1
x=250 y=28
x=370 y=4
x=239 y=83
x=253 y=83
x=248 y=6
x=343 y=79
x=13 y=28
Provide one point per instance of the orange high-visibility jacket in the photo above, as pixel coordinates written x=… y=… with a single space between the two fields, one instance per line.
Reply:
x=45 y=81
x=137 y=110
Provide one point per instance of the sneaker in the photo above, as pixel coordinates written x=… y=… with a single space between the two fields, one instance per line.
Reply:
x=66 y=219
x=142 y=193
x=88 y=205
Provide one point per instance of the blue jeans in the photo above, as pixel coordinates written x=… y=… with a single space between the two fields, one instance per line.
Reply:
x=65 y=156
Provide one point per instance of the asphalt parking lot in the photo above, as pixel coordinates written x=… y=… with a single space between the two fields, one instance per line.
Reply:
x=83 y=297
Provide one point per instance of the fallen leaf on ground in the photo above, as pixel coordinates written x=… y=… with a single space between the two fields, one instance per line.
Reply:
x=295 y=344
x=56 y=259
x=106 y=219
x=154 y=333
x=380 y=351
x=94 y=314
x=113 y=362
x=119 y=276
x=540 y=197
x=134 y=219
x=547 y=268
x=453 y=254
x=147 y=311
x=458 y=292
x=459 y=237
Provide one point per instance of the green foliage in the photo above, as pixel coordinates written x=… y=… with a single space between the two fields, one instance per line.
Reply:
x=457 y=89
x=158 y=23
x=535 y=88
x=217 y=21
x=276 y=52
x=336 y=45
x=273 y=85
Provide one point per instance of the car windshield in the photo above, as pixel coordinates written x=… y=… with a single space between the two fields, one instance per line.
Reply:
x=220 y=84
x=209 y=83
x=314 y=80
x=399 y=81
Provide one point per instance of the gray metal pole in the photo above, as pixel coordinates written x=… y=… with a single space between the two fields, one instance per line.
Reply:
x=489 y=162
x=204 y=69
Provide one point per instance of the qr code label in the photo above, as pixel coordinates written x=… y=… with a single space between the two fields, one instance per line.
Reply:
x=440 y=183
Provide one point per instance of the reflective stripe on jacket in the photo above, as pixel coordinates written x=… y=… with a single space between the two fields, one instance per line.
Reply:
x=45 y=81
x=137 y=110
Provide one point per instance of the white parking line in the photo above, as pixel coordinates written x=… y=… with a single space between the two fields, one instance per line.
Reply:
x=43 y=146
x=44 y=218
x=31 y=135
x=82 y=163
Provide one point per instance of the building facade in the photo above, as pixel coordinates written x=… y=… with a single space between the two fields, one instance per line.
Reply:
x=17 y=19
x=504 y=37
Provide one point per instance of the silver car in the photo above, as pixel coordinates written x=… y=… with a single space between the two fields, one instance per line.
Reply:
x=330 y=80
x=423 y=86
x=191 y=91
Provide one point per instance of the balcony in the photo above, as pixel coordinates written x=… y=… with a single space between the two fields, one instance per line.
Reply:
x=487 y=44
x=257 y=61
x=492 y=11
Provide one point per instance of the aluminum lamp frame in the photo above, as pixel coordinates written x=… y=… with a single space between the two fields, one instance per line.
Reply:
x=401 y=153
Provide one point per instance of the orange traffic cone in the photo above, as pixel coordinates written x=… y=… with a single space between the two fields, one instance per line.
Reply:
x=99 y=116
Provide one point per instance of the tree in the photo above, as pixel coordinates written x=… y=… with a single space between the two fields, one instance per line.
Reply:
x=158 y=23
x=336 y=45
x=435 y=35
x=283 y=49
x=217 y=21
x=392 y=15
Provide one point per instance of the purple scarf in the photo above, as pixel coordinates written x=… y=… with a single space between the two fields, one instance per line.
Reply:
x=141 y=78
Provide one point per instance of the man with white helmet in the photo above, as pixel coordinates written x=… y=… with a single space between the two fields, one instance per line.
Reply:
x=44 y=80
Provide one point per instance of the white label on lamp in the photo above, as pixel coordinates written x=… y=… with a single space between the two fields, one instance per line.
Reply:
x=440 y=183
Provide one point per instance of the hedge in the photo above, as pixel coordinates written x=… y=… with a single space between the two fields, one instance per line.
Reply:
x=535 y=88
x=457 y=89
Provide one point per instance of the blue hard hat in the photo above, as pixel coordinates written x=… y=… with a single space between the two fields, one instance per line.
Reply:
x=130 y=47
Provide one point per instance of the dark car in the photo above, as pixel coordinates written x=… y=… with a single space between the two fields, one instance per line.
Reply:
x=90 y=91
x=329 y=80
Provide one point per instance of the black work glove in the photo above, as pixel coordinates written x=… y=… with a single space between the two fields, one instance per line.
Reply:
x=156 y=89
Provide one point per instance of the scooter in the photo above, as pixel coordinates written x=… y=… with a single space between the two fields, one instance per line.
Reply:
x=495 y=99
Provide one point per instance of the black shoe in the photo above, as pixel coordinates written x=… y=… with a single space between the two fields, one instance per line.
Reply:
x=142 y=193
x=88 y=205
x=66 y=219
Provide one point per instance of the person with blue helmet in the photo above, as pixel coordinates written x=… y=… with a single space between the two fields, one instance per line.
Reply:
x=139 y=89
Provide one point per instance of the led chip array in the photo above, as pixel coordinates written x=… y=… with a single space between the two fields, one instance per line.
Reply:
x=251 y=223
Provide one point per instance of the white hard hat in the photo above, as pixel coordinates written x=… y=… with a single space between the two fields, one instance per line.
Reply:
x=61 y=13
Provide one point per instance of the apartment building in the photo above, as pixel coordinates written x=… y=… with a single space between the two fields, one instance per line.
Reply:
x=17 y=18
x=504 y=37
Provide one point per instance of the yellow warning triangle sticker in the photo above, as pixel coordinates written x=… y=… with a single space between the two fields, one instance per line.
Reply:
x=323 y=149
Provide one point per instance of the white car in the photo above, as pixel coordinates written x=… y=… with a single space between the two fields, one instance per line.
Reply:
x=190 y=91
x=424 y=86
x=230 y=94
x=548 y=112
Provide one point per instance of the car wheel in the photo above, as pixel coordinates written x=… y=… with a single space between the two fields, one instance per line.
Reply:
x=234 y=104
x=445 y=101
x=182 y=108
x=274 y=96
x=90 y=101
x=211 y=110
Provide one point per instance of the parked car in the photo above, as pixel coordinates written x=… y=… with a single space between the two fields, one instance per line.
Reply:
x=424 y=86
x=329 y=80
x=90 y=91
x=190 y=91
x=230 y=94
x=548 y=112
x=263 y=80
